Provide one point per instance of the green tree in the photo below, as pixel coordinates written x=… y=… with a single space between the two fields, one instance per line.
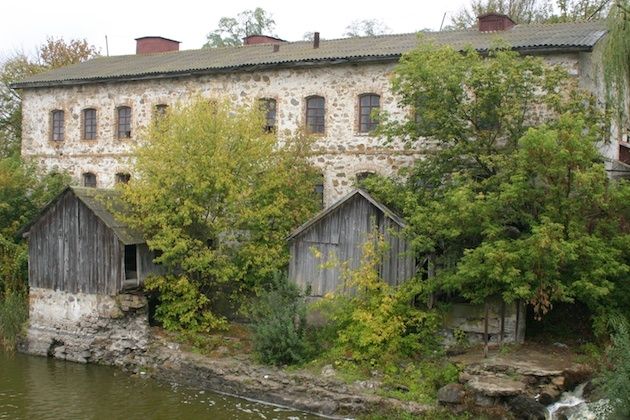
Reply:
x=52 y=54
x=366 y=27
x=616 y=59
x=218 y=197
x=231 y=30
x=512 y=198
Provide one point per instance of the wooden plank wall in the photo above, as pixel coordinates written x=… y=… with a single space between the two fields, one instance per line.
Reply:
x=340 y=236
x=71 y=249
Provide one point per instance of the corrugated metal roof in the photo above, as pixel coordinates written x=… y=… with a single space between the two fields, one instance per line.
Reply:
x=580 y=36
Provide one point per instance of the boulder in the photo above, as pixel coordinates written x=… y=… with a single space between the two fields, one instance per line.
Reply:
x=576 y=375
x=451 y=394
x=549 y=394
x=496 y=386
x=527 y=408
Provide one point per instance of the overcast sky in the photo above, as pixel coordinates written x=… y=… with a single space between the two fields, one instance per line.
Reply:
x=26 y=23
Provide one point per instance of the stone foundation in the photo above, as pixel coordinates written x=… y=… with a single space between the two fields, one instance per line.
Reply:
x=79 y=327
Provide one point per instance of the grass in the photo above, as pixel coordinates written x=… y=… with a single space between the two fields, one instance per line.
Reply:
x=13 y=316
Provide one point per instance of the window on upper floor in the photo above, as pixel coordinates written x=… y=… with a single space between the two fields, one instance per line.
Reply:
x=315 y=114
x=268 y=106
x=123 y=122
x=89 y=180
x=368 y=103
x=57 y=125
x=89 y=124
x=122 y=178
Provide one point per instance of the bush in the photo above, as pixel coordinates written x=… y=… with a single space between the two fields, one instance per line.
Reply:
x=13 y=316
x=182 y=307
x=279 y=326
x=616 y=379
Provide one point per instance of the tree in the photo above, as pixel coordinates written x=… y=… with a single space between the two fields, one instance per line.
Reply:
x=530 y=11
x=367 y=27
x=616 y=60
x=513 y=198
x=231 y=31
x=217 y=198
x=52 y=54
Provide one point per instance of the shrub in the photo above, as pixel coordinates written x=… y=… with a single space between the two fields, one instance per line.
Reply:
x=182 y=306
x=278 y=322
x=13 y=316
x=616 y=379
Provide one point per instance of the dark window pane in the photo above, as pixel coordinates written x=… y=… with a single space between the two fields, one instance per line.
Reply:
x=89 y=180
x=367 y=104
x=269 y=108
x=122 y=178
x=89 y=124
x=315 y=114
x=58 y=125
x=124 y=122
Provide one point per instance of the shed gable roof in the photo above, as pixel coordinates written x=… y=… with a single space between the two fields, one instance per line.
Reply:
x=322 y=214
x=99 y=201
x=573 y=36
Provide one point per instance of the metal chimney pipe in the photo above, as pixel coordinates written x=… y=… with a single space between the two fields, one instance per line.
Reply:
x=316 y=40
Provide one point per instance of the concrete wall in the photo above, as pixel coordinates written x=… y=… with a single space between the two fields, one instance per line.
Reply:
x=469 y=319
x=341 y=152
x=86 y=327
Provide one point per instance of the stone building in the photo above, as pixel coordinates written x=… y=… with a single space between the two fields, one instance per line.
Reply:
x=86 y=118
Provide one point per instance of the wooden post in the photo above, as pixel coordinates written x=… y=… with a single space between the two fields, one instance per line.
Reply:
x=502 y=332
x=518 y=315
x=485 y=330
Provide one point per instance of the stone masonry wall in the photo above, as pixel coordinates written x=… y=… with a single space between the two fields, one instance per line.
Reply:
x=88 y=328
x=342 y=151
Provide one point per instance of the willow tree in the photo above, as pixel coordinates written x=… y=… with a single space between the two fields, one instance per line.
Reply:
x=617 y=61
x=217 y=198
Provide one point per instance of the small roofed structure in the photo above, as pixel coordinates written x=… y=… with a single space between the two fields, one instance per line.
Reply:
x=338 y=234
x=77 y=245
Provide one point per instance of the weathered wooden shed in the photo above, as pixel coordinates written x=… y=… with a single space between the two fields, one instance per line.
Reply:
x=77 y=245
x=338 y=234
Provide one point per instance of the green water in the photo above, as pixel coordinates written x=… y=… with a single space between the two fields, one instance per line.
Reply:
x=40 y=388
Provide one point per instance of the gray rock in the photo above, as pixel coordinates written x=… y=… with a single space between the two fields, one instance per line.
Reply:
x=527 y=408
x=496 y=386
x=328 y=371
x=451 y=394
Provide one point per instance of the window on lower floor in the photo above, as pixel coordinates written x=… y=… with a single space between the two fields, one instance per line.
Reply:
x=89 y=180
x=318 y=190
x=122 y=178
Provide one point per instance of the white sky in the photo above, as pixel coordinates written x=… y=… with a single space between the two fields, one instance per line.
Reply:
x=25 y=24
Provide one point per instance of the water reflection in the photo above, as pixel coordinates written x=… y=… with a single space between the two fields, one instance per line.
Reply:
x=40 y=388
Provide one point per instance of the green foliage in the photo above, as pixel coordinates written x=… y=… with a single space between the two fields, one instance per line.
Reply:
x=13 y=316
x=182 y=306
x=377 y=319
x=421 y=379
x=616 y=59
x=231 y=31
x=515 y=200
x=217 y=196
x=616 y=379
x=279 y=325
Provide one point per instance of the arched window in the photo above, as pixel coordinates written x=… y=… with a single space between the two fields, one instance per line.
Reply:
x=89 y=180
x=160 y=110
x=315 y=114
x=89 y=124
x=368 y=103
x=268 y=106
x=318 y=190
x=58 y=125
x=123 y=122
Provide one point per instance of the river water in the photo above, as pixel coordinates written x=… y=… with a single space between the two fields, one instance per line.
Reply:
x=40 y=388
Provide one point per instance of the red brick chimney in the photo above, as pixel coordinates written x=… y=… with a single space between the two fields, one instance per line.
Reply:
x=491 y=22
x=155 y=44
x=262 y=39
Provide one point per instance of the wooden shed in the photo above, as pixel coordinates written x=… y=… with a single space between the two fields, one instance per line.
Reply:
x=338 y=233
x=77 y=245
